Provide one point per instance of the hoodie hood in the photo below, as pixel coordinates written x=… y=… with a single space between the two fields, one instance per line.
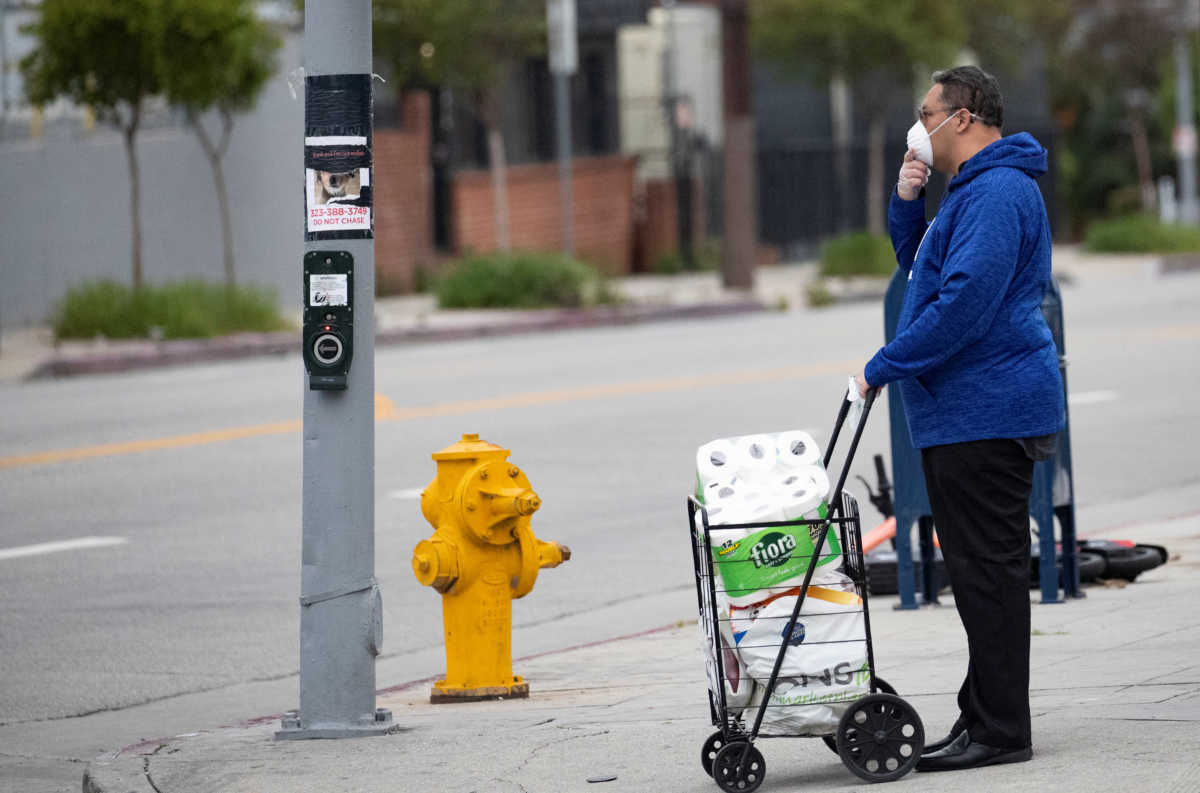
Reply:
x=1021 y=151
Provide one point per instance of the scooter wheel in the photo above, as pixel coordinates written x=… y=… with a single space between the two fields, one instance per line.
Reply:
x=1130 y=565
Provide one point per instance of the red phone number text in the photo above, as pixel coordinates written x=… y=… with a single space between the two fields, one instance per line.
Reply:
x=338 y=212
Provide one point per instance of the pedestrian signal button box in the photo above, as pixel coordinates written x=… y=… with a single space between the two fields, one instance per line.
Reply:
x=328 y=335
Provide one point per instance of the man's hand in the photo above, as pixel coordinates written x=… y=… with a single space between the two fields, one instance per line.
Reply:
x=913 y=176
x=860 y=380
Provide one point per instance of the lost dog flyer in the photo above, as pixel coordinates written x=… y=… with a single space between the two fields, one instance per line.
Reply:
x=337 y=157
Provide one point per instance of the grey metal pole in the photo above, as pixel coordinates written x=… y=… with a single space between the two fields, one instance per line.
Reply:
x=1189 y=210
x=562 y=112
x=340 y=611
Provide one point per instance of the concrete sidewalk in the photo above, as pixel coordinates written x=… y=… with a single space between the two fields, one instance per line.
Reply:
x=1115 y=694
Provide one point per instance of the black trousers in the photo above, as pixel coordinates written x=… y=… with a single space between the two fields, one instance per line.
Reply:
x=979 y=492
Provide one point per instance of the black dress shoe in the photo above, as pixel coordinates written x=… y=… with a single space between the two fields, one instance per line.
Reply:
x=958 y=729
x=964 y=753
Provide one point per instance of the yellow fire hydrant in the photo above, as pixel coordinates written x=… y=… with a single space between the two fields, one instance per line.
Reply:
x=482 y=555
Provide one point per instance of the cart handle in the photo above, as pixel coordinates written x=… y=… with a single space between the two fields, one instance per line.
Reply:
x=835 y=498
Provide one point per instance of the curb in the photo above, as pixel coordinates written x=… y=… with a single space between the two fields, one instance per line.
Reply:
x=1178 y=263
x=137 y=355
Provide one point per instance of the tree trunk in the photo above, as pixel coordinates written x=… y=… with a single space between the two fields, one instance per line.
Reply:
x=876 y=141
x=135 y=198
x=839 y=106
x=1141 y=153
x=215 y=153
x=226 y=222
x=498 y=164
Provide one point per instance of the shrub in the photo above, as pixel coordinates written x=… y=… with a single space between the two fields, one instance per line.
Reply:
x=1140 y=234
x=187 y=309
x=858 y=253
x=706 y=256
x=520 y=280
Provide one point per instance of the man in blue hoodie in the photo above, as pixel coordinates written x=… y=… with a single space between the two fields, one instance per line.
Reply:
x=978 y=372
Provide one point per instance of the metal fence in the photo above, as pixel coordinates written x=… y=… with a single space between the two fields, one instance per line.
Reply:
x=801 y=202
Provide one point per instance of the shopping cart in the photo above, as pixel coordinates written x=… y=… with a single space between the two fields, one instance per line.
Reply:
x=879 y=736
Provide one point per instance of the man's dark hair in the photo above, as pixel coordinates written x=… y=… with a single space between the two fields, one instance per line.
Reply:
x=974 y=89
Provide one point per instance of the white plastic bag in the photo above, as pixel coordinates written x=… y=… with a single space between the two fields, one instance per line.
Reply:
x=824 y=668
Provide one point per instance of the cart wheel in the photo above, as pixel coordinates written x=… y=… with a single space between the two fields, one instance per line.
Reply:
x=708 y=752
x=880 y=738
x=882 y=685
x=733 y=776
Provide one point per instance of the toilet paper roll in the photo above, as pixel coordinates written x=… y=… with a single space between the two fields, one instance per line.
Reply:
x=755 y=455
x=801 y=492
x=797 y=448
x=722 y=491
x=714 y=461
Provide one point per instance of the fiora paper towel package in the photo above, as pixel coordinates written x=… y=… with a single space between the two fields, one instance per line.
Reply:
x=752 y=565
x=764 y=478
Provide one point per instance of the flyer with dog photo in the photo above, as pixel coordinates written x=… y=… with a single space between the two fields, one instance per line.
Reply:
x=337 y=186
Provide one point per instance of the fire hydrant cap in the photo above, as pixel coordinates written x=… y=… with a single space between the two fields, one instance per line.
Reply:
x=469 y=448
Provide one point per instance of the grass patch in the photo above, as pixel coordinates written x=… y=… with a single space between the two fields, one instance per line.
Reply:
x=858 y=253
x=818 y=294
x=521 y=280
x=183 y=310
x=1140 y=234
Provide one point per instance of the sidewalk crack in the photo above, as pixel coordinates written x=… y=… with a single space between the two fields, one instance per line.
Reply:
x=146 y=768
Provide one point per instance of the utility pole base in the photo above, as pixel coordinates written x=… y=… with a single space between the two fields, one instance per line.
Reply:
x=292 y=731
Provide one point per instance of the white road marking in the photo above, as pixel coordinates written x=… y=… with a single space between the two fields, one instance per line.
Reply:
x=1093 y=397
x=405 y=494
x=60 y=545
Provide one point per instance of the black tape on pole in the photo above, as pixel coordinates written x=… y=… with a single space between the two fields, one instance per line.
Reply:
x=338 y=157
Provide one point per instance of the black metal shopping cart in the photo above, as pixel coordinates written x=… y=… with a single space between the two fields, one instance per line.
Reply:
x=878 y=735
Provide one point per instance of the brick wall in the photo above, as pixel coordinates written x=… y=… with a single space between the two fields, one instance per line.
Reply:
x=603 y=210
x=404 y=196
x=656 y=225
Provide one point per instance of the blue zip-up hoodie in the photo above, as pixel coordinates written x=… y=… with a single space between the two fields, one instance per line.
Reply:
x=972 y=352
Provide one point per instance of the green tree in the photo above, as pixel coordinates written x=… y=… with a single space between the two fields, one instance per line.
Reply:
x=102 y=54
x=215 y=55
x=1107 y=63
x=875 y=46
x=469 y=46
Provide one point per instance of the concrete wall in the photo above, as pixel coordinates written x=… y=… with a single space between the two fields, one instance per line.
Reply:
x=66 y=216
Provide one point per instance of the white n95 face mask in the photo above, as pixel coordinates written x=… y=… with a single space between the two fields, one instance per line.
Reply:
x=919 y=140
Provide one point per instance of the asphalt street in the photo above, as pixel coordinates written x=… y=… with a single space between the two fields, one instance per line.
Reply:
x=187 y=618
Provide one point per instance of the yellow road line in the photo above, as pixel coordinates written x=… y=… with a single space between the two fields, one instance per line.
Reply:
x=386 y=410
x=133 y=447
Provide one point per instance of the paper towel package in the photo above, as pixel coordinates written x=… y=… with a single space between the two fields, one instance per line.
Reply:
x=825 y=665
x=755 y=566
x=765 y=478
